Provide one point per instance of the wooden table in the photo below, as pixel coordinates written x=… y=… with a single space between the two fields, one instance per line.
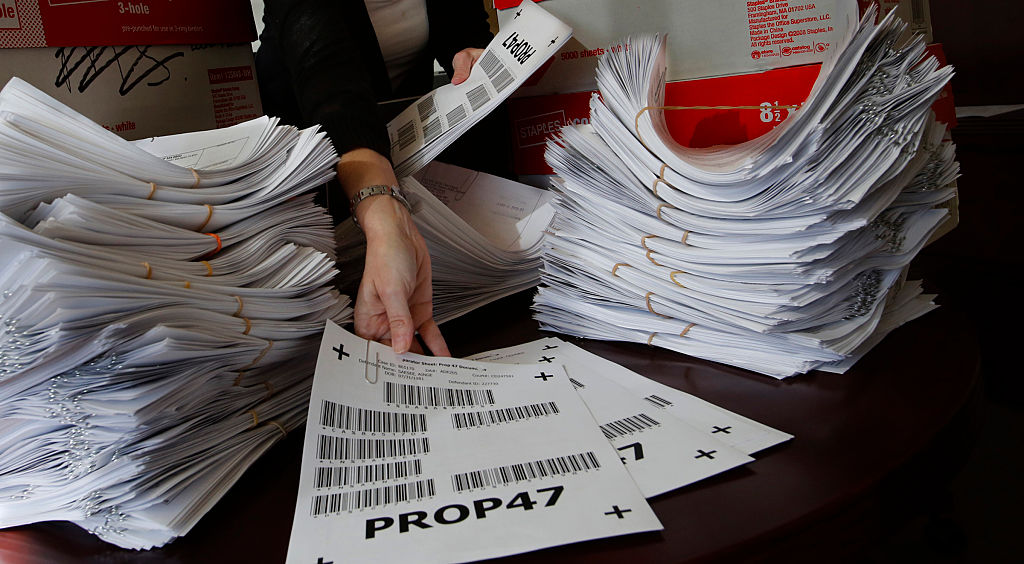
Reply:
x=851 y=431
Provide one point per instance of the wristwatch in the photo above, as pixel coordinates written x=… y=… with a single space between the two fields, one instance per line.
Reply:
x=377 y=190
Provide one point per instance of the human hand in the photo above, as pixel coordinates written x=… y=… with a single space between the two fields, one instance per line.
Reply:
x=394 y=297
x=462 y=64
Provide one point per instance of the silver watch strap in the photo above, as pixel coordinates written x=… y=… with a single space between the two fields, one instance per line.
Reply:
x=377 y=190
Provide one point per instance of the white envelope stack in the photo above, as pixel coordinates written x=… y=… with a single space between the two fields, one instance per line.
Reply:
x=483 y=232
x=160 y=303
x=780 y=255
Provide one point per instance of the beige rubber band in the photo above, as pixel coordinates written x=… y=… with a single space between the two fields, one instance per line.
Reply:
x=687 y=330
x=196 y=176
x=149 y=271
x=241 y=305
x=643 y=241
x=255 y=418
x=651 y=338
x=209 y=269
x=279 y=427
x=673 y=277
x=615 y=268
x=248 y=325
x=152 y=190
x=652 y=259
x=270 y=388
x=663 y=206
x=647 y=297
x=209 y=214
x=661 y=179
x=187 y=285
x=685 y=235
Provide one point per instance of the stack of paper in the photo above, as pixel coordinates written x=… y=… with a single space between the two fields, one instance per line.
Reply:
x=160 y=302
x=483 y=232
x=425 y=128
x=446 y=460
x=777 y=255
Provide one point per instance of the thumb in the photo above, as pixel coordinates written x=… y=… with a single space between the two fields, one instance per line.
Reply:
x=462 y=63
x=399 y=321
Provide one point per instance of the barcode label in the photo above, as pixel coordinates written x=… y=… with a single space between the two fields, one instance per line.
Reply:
x=348 y=418
x=406 y=135
x=433 y=396
x=341 y=476
x=342 y=502
x=576 y=383
x=515 y=473
x=426 y=108
x=496 y=71
x=658 y=401
x=628 y=426
x=506 y=415
x=432 y=130
x=456 y=116
x=478 y=97
x=344 y=448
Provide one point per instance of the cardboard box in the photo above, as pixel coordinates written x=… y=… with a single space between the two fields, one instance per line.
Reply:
x=916 y=13
x=136 y=67
x=706 y=37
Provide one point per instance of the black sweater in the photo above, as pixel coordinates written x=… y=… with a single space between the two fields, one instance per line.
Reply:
x=319 y=63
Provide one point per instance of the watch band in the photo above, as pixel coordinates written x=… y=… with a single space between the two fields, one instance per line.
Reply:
x=377 y=190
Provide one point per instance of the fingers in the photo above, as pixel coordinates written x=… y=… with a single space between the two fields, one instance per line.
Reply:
x=431 y=335
x=462 y=64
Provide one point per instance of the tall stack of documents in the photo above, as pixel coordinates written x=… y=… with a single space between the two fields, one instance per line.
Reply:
x=160 y=303
x=484 y=234
x=780 y=255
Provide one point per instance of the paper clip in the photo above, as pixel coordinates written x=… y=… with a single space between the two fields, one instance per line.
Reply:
x=366 y=367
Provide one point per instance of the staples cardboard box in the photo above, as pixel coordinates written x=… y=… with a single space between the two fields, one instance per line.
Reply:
x=140 y=68
x=706 y=37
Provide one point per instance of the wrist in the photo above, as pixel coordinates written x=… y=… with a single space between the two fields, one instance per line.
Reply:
x=378 y=200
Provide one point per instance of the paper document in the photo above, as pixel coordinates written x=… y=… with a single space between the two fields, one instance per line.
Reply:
x=413 y=458
x=429 y=125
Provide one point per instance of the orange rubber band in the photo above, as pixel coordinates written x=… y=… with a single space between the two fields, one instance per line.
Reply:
x=687 y=330
x=255 y=418
x=188 y=284
x=615 y=268
x=209 y=269
x=149 y=271
x=152 y=190
x=240 y=306
x=673 y=277
x=651 y=309
x=248 y=325
x=643 y=241
x=663 y=206
x=651 y=259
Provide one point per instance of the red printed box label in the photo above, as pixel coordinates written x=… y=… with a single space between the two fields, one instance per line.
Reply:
x=9 y=15
x=229 y=74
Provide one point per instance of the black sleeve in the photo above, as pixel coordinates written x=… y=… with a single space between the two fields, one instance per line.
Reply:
x=454 y=26
x=326 y=53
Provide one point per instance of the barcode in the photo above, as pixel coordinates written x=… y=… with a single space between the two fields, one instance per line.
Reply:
x=515 y=473
x=340 y=476
x=432 y=396
x=576 y=383
x=343 y=448
x=628 y=425
x=432 y=130
x=406 y=135
x=357 y=419
x=426 y=108
x=496 y=71
x=658 y=401
x=456 y=116
x=478 y=97
x=506 y=415
x=375 y=497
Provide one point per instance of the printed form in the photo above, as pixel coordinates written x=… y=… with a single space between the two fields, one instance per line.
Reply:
x=429 y=459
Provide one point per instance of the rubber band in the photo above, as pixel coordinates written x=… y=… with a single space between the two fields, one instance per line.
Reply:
x=241 y=305
x=650 y=339
x=152 y=190
x=636 y=120
x=196 y=176
x=255 y=418
x=663 y=206
x=248 y=325
x=149 y=271
x=643 y=241
x=661 y=179
x=647 y=297
x=685 y=235
x=209 y=269
x=270 y=388
x=651 y=259
x=279 y=427
x=615 y=268
x=220 y=245
x=263 y=353
x=687 y=330
x=673 y=277
x=209 y=214
x=238 y=379
x=187 y=285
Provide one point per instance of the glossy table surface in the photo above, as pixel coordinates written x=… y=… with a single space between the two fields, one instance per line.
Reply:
x=851 y=432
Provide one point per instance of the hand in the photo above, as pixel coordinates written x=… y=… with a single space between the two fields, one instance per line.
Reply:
x=462 y=63
x=394 y=297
